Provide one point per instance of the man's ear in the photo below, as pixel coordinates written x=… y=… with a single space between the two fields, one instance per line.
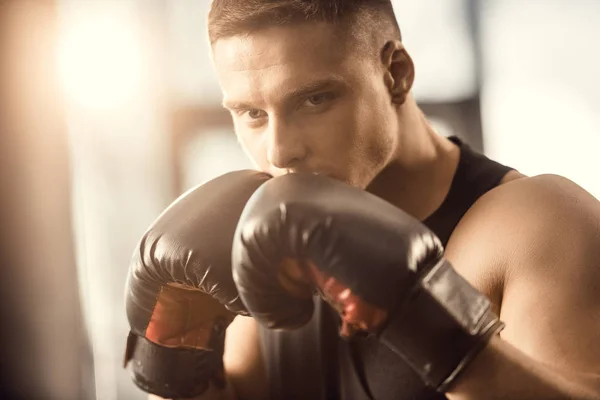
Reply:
x=399 y=70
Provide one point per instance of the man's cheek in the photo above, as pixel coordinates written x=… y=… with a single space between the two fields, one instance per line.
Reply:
x=261 y=161
x=329 y=129
x=253 y=151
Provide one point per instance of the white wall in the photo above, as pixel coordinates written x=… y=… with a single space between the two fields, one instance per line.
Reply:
x=192 y=78
x=437 y=34
x=541 y=101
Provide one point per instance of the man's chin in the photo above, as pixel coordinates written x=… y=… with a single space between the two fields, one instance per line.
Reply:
x=347 y=181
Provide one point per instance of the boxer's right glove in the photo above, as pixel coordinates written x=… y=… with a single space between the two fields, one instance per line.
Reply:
x=180 y=295
x=382 y=270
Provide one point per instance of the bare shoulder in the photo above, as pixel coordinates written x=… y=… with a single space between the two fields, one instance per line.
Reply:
x=525 y=216
x=528 y=219
x=532 y=245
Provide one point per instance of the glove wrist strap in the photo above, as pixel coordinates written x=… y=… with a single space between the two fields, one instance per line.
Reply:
x=173 y=372
x=441 y=327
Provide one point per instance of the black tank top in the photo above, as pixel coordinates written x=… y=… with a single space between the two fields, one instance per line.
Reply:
x=313 y=363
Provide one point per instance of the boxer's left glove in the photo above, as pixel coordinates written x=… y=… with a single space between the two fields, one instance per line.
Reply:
x=381 y=269
x=180 y=295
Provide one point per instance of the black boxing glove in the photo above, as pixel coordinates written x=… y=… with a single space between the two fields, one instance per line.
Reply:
x=381 y=269
x=180 y=295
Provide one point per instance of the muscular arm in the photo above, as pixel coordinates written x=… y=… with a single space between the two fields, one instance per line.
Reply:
x=243 y=362
x=533 y=246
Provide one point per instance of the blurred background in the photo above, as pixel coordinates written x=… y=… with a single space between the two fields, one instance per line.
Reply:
x=109 y=109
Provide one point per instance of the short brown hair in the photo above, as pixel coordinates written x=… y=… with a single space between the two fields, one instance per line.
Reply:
x=364 y=18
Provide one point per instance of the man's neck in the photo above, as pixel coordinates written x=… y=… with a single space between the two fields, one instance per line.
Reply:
x=419 y=177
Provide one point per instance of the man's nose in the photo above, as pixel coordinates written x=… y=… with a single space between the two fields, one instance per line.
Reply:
x=286 y=147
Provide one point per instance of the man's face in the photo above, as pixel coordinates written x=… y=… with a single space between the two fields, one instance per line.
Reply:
x=302 y=101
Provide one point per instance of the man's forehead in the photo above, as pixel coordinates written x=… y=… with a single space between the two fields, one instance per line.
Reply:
x=273 y=63
x=264 y=48
x=242 y=53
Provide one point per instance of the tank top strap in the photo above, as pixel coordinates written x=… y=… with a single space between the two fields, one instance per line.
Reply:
x=475 y=175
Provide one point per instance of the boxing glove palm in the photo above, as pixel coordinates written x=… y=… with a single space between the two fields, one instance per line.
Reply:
x=180 y=295
x=381 y=269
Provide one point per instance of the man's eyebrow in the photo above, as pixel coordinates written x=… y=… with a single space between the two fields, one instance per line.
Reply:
x=303 y=91
x=234 y=105
x=313 y=87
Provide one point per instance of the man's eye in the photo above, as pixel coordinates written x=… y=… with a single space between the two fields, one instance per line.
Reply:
x=318 y=99
x=255 y=114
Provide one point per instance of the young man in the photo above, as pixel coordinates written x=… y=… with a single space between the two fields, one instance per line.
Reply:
x=325 y=87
